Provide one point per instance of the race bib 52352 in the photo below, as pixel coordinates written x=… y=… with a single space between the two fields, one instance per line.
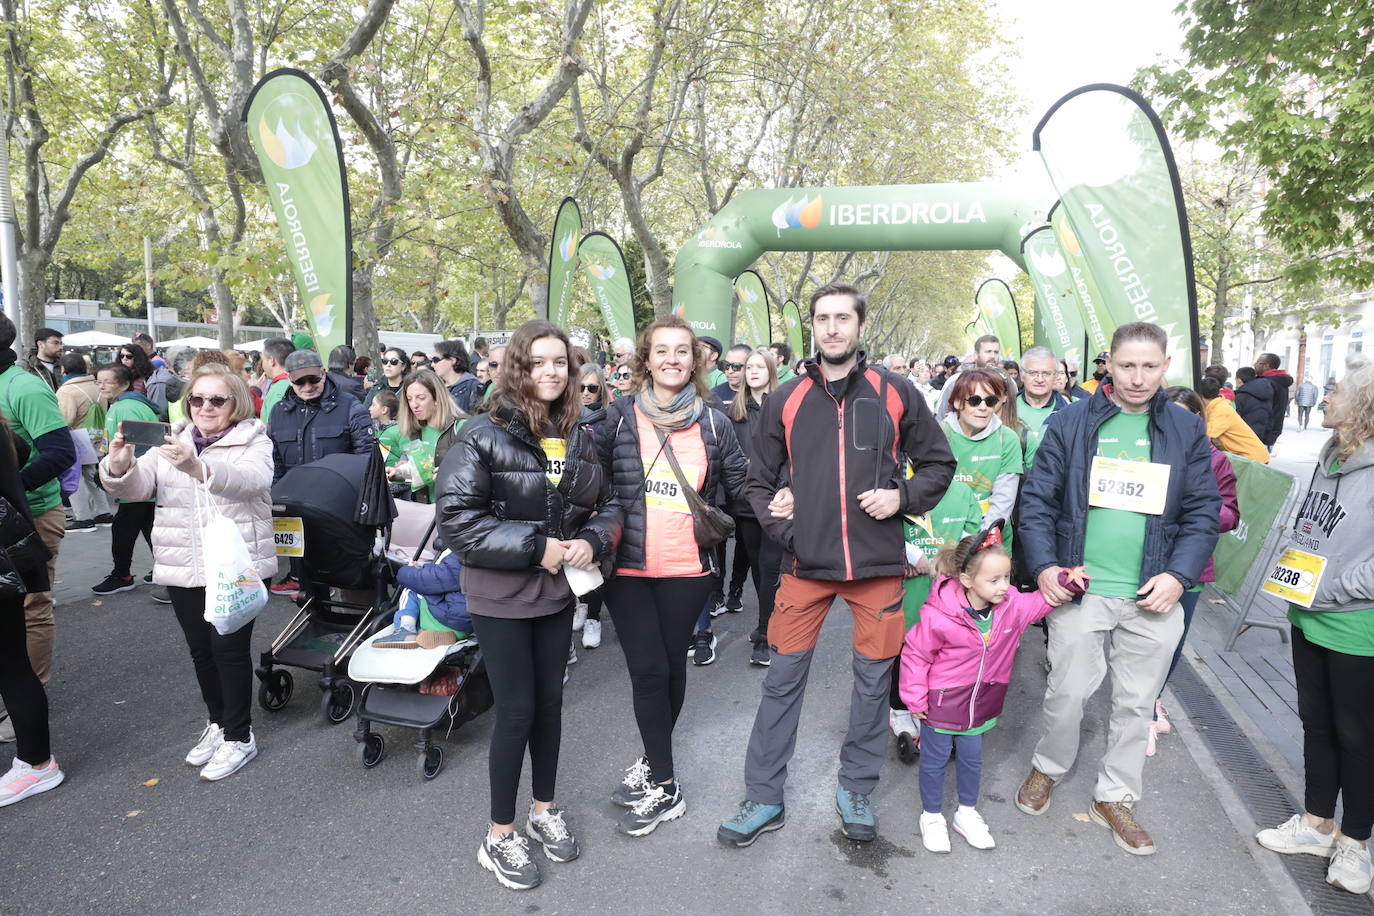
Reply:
x=1131 y=486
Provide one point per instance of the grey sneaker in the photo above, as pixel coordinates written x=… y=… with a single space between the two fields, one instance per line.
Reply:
x=857 y=820
x=653 y=809
x=634 y=785
x=704 y=648
x=400 y=637
x=760 y=656
x=551 y=832
x=751 y=821
x=508 y=857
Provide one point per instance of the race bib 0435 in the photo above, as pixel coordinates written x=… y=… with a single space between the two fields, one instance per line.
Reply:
x=662 y=490
x=1131 y=486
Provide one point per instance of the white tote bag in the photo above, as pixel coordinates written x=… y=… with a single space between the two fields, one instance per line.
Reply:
x=234 y=592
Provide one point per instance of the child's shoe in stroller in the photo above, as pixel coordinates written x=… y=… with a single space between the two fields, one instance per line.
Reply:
x=551 y=831
x=433 y=639
x=400 y=637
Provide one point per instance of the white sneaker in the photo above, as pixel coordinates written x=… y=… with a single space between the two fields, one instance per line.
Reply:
x=229 y=758
x=23 y=780
x=591 y=633
x=969 y=824
x=206 y=745
x=1296 y=835
x=579 y=616
x=934 y=833
x=1350 y=869
x=901 y=722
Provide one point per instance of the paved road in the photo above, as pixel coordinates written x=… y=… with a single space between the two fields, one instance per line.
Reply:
x=304 y=829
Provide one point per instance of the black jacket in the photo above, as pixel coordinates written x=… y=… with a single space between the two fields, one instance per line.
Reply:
x=1054 y=496
x=347 y=384
x=497 y=508
x=744 y=432
x=304 y=431
x=1255 y=404
x=1278 y=408
x=807 y=437
x=618 y=446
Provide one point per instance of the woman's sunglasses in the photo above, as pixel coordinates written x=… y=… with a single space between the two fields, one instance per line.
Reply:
x=592 y=389
x=621 y=377
x=216 y=401
x=393 y=362
x=975 y=400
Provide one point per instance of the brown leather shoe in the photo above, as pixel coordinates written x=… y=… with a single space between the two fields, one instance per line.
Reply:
x=1119 y=818
x=1034 y=795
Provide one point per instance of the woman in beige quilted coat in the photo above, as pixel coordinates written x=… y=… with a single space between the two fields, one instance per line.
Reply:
x=222 y=450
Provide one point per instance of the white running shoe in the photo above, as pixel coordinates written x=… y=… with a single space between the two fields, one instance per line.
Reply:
x=1296 y=835
x=969 y=824
x=901 y=722
x=572 y=654
x=23 y=780
x=1350 y=869
x=934 y=833
x=206 y=745
x=591 y=633
x=229 y=758
x=579 y=616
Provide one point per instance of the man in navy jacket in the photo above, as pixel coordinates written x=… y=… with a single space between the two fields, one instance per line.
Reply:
x=1122 y=484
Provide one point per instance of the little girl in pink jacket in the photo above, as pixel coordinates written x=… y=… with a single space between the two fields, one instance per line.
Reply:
x=956 y=666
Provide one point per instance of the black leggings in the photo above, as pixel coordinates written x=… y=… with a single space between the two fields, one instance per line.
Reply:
x=593 y=600
x=743 y=562
x=525 y=661
x=131 y=520
x=653 y=621
x=20 y=688
x=1337 y=732
x=224 y=664
x=765 y=562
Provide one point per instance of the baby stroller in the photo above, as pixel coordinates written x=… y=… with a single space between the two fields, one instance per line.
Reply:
x=345 y=582
x=423 y=689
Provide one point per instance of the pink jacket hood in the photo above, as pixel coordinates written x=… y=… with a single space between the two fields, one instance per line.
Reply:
x=948 y=671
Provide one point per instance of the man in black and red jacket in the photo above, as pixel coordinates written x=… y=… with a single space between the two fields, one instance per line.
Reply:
x=841 y=433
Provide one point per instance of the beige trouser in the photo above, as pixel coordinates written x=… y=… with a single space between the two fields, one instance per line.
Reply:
x=38 y=617
x=1138 y=656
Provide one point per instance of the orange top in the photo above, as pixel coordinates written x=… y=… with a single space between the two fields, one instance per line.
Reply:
x=670 y=544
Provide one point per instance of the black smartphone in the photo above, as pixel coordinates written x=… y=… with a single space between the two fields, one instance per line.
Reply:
x=145 y=432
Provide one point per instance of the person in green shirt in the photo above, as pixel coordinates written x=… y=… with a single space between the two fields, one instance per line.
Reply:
x=274 y=353
x=31 y=408
x=1331 y=549
x=783 y=352
x=132 y=518
x=426 y=425
x=711 y=356
x=988 y=453
x=1038 y=398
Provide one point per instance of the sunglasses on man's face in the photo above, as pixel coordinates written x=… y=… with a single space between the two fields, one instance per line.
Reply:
x=974 y=400
x=592 y=389
x=307 y=380
x=732 y=367
x=216 y=401
x=439 y=359
x=418 y=363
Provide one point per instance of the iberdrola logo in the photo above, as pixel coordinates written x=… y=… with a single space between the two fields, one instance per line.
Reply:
x=797 y=214
x=789 y=319
x=600 y=269
x=288 y=149
x=1067 y=240
x=706 y=238
x=993 y=308
x=1048 y=263
x=680 y=310
x=323 y=311
x=567 y=248
x=748 y=295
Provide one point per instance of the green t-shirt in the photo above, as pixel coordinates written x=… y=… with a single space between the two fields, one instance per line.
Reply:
x=420 y=451
x=956 y=515
x=1350 y=632
x=31 y=408
x=784 y=374
x=1035 y=419
x=979 y=462
x=984 y=627
x=274 y=393
x=125 y=408
x=1114 y=543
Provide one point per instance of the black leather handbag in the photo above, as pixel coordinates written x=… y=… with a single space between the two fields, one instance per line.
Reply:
x=20 y=548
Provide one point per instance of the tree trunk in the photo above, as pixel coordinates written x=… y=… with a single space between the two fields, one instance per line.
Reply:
x=364 y=320
x=1220 y=310
x=33 y=294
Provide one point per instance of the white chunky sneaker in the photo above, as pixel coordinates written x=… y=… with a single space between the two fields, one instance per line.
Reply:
x=206 y=745
x=579 y=616
x=934 y=832
x=229 y=758
x=1350 y=869
x=969 y=824
x=591 y=633
x=1296 y=835
x=901 y=722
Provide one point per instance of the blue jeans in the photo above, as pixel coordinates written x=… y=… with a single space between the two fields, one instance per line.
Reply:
x=1188 y=601
x=968 y=767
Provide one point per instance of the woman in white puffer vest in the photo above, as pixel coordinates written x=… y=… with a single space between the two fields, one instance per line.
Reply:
x=224 y=450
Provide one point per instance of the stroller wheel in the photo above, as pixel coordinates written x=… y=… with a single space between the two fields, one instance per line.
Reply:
x=337 y=703
x=430 y=762
x=906 y=748
x=275 y=690
x=371 y=750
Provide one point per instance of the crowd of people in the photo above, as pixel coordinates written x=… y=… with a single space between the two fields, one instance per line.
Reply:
x=951 y=507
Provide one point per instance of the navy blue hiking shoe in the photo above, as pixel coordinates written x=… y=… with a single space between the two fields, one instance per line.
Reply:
x=857 y=820
x=750 y=822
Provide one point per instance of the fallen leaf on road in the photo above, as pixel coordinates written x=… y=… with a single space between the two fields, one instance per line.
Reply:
x=96 y=603
x=134 y=813
x=1082 y=817
x=152 y=782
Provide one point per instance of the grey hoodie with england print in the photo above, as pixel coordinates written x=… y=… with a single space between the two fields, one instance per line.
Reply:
x=1335 y=520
